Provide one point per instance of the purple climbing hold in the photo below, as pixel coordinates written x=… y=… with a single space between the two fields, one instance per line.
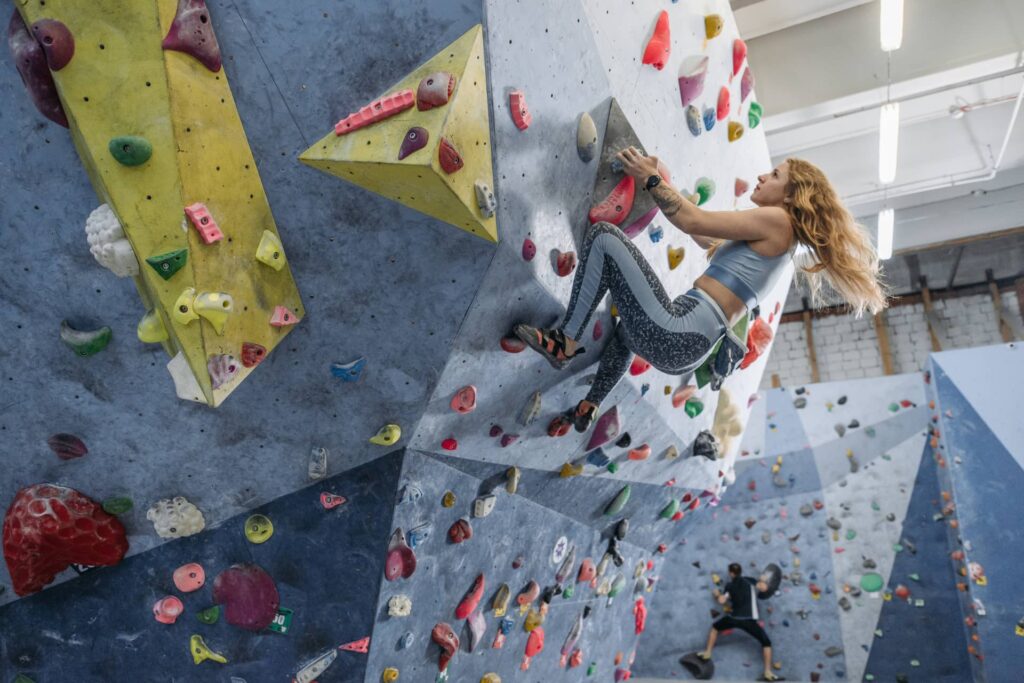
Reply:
x=746 y=83
x=249 y=596
x=67 y=446
x=508 y=439
x=57 y=42
x=598 y=330
x=529 y=249
x=35 y=73
x=691 y=78
x=192 y=33
x=496 y=430
x=606 y=429
x=637 y=226
x=415 y=139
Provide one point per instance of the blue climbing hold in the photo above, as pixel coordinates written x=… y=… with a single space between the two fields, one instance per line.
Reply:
x=644 y=388
x=710 y=116
x=349 y=372
x=655 y=233
x=597 y=457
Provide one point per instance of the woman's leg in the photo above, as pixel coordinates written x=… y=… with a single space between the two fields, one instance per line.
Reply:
x=614 y=361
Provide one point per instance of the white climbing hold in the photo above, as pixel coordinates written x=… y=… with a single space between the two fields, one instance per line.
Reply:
x=108 y=244
x=175 y=518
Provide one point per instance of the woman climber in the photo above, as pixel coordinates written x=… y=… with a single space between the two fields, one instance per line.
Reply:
x=748 y=251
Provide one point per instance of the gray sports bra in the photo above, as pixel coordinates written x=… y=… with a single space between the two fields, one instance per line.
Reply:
x=746 y=273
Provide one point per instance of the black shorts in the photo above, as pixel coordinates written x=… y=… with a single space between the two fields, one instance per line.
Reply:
x=749 y=625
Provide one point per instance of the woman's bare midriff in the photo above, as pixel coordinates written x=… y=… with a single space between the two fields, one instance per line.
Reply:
x=731 y=305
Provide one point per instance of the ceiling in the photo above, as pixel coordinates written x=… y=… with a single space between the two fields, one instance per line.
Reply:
x=821 y=77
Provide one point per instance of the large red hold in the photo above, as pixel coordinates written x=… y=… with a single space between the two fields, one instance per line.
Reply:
x=49 y=527
x=471 y=599
x=758 y=339
x=617 y=205
x=192 y=33
x=31 y=62
x=249 y=596
x=660 y=45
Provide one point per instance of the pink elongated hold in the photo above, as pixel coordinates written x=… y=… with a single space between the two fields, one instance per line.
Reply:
x=378 y=110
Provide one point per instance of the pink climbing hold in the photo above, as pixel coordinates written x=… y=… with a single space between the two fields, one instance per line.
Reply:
x=606 y=429
x=598 y=330
x=450 y=444
x=167 y=610
x=31 y=63
x=637 y=226
x=741 y=187
x=534 y=645
x=746 y=84
x=529 y=249
x=192 y=33
x=639 y=366
x=683 y=394
x=660 y=45
x=378 y=110
x=691 y=78
x=508 y=439
x=640 y=615
x=512 y=344
x=203 y=222
x=739 y=53
x=401 y=560
x=565 y=263
x=435 y=90
x=520 y=112
x=249 y=596
x=189 y=577
x=57 y=42
x=464 y=400
x=723 y=103
x=362 y=646
x=282 y=317
x=330 y=501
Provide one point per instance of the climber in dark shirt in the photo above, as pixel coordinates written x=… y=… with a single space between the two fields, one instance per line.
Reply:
x=741 y=593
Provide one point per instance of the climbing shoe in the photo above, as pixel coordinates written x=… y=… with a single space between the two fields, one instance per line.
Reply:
x=583 y=418
x=548 y=343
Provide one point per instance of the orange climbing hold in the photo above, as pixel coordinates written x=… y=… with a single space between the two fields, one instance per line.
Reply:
x=660 y=45
x=520 y=112
x=681 y=395
x=375 y=111
x=617 y=205
x=758 y=339
x=641 y=452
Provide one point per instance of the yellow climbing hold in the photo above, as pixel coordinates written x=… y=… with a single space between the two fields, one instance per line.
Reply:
x=388 y=435
x=490 y=678
x=151 y=328
x=448 y=500
x=200 y=652
x=713 y=25
x=270 y=251
x=571 y=470
x=675 y=257
x=183 y=313
x=614 y=311
x=214 y=307
x=390 y=675
x=735 y=131
x=258 y=528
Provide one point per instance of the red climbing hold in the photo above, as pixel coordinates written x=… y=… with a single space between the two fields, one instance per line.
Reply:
x=758 y=339
x=598 y=330
x=640 y=452
x=57 y=42
x=902 y=592
x=662 y=548
x=512 y=344
x=741 y=187
x=471 y=599
x=464 y=400
x=445 y=637
x=520 y=112
x=192 y=33
x=640 y=615
x=534 y=645
x=460 y=531
x=375 y=111
x=361 y=646
x=739 y=53
x=449 y=157
x=435 y=90
x=559 y=426
x=450 y=444
x=67 y=446
x=617 y=205
x=252 y=354
x=31 y=63
x=48 y=528
x=678 y=515
x=249 y=596
x=508 y=439
x=401 y=560
x=529 y=249
x=723 y=103
x=639 y=366
x=660 y=45
x=565 y=263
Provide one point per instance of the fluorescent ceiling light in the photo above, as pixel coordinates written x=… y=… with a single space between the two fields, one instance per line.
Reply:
x=886 y=218
x=891 y=26
x=888 y=141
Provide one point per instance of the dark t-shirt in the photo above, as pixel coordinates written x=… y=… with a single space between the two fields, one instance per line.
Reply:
x=743 y=597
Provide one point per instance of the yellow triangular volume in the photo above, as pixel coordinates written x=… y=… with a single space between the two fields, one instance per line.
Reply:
x=368 y=157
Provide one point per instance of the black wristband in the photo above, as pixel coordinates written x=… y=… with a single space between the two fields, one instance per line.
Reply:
x=652 y=182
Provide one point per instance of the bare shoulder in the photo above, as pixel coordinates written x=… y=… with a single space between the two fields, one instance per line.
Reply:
x=780 y=237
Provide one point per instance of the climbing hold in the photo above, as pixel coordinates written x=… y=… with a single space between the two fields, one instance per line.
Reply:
x=512 y=476
x=485 y=200
x=529 y=251
x=249 y=596
x=399 y=606
x=252 y=354
x=565 y=263
x=598 y=458
x=682 y=395
x=618 y=502
x=309 y=672
x=571 y=469
x=361 y=646
x=460 y=530
x=740 y=188
x=754 y=114
x=67 y=446
x=624 y=441
x=108 y=244
x=401 y=560
x=182 y=312
x=616 y=206
x=660 y=45
x=450 y=444
x=347 y=372
x=192 y=33
x=534 y=619
x=448 y=499
x=675 y=257
x=739 y=53
x=258 y=529
x=210 y=615
x=167 y=610
x=520 y=112
x=31 y=62
x=56 y=41
x=484 y=505
x=389 y=675
x=710 y=117
x=222 y=368
x=722 y=110
x=735 y=131
x=670 y=454
x=174 y=518
x=490 y=678
x=617 y=584
x=420 y=533
x=586 y=137
x=477 y=627
x=203 y=222
x=693 y=407
x=118 y=505
x=639 y=366
x=705 y=189
x=270 y=252
x=840 y=428
x=746 y=84
x=534 y=645
x=449 y=157
x=670 y=509
x=527 y=596
x=800 y=402
x=445 y=637
x=85 y=343
x=282 y=317
x=530 y=410
x=471 y=599
x=388 y=435
x=214 y=307
x=640 y=453
x=435 y=90
x=168 y=263
x=189 y=577
x=606 y=429
x=415 y=139
x=713 y=24
x=693 y=120
x=691 y=78
x=705 y=445
x=406 y=641
x=378 y=110
x=464 y=400
x=500 y=602
x=130 y=150
x=508 y=439
x=200 y=651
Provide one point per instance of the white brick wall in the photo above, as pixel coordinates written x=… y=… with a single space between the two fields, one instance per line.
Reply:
x=848 y=348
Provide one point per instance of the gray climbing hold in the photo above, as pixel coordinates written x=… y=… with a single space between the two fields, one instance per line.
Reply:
x=833 y=651
x=779 y=481
x=844 y=602
x=806 y=510
x=834 y=523
x=842 y=400
x=840 y=428
x=530 y=410
x=853 y=424
x=869 y=563
x=586 y=137
x=801 y=402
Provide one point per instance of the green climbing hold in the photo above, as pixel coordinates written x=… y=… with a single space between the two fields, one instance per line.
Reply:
x=897 y=547
x=22 y=678
x=850 y=534
x=618 y=502
x=130 y=150
x=670 y=509
x=871 y=582
x=886 y=456
x=168 y=263
x=914 y=662
x=915 y=577
x=869 y=677
x=705 y=189
x=613 y=467
x=875 y=506
x=591 y=668
x=693 y=407
x=568 y=591
x=878 y=633
x=117 y=505
x=754 y=115
x=85 y=343
x=894 y=407
x=870 y=431
x=210 y=615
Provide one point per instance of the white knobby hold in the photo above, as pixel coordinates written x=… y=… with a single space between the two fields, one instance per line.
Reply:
x=108 y=244
x=174 y=518
x=399 y=606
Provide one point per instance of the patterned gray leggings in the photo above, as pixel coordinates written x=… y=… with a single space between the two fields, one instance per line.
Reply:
x=675 y=336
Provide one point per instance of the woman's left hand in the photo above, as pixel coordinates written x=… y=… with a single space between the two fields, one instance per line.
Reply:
x=637 y=165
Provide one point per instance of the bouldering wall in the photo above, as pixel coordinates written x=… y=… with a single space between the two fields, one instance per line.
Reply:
x=824 y=482
x=403 y=302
